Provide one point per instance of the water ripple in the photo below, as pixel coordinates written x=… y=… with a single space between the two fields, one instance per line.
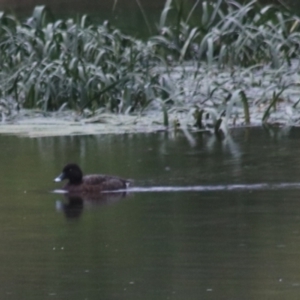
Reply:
x=213 y=188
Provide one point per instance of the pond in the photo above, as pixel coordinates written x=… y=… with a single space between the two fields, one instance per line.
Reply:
x=202 y=244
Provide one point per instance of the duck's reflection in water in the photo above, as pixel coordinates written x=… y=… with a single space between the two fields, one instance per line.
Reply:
x=74 y=204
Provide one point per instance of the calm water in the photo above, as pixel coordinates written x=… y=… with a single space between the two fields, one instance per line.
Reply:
x=240 y=244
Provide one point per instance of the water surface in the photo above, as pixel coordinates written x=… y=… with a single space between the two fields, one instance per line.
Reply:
x=203 y=244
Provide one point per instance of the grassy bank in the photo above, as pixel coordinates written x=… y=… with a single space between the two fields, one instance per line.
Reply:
x=221 y=65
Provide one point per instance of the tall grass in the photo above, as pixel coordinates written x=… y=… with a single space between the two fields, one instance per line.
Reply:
x=56 y=64
x=227 y=32
x=73 y=62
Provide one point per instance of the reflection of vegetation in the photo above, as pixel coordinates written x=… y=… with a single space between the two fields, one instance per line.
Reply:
x=57 y=64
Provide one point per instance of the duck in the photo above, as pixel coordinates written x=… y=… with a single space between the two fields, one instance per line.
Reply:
x=94 y=183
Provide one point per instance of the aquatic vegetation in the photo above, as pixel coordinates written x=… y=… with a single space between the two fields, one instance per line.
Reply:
x=229 y=33
x=207 y=67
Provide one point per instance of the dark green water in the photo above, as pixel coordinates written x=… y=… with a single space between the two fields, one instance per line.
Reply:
x=241 y=244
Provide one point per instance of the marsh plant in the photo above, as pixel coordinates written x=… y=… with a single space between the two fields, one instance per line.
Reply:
x=215 y=63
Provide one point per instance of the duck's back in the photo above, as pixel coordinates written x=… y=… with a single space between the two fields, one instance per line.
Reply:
x=105 y=181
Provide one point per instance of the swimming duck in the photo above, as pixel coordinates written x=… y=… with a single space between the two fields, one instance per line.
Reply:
x=89 y=183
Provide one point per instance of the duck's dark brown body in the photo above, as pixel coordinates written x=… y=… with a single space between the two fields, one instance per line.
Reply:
x=97 y=183
x=90 y=183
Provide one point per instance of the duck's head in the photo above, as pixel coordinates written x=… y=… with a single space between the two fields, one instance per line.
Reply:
x=71 y=172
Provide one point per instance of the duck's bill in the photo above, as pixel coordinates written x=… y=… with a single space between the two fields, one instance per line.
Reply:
x=59 y=178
